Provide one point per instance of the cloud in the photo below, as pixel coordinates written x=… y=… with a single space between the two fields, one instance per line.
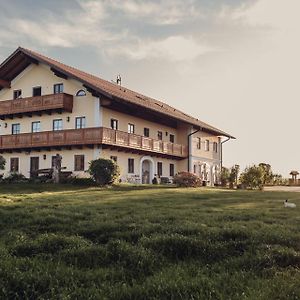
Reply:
x=173 y=48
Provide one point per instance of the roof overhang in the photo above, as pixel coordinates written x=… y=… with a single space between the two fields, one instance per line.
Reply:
x=19 y=60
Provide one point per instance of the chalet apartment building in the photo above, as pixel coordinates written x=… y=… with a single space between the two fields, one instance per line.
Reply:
x=47 y=107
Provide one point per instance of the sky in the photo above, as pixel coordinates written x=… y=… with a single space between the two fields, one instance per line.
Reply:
x=232 y=63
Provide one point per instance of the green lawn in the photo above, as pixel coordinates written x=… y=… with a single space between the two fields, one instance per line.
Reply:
x=63 y=242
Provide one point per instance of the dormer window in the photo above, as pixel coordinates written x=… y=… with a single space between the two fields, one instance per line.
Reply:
x=80 y=93
x=17 y=94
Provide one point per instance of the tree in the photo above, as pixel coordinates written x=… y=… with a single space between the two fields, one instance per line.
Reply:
x=104 y=171
x=224 y=176
x=268 y=176
x=253 y=177
x=2 y=162
x=233 y=176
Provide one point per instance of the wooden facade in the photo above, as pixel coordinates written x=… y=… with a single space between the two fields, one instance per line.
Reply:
x=18 y=107
x=90 y=136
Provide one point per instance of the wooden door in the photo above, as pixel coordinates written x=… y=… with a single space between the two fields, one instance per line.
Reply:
x=34 y=165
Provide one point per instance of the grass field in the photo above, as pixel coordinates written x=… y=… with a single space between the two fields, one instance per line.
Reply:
x=62 y=242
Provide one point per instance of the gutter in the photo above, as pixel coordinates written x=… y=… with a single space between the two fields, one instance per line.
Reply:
x=189 y=148
x=229 y=138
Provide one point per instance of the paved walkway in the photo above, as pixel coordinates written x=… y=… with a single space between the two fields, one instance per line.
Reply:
x=283 y=188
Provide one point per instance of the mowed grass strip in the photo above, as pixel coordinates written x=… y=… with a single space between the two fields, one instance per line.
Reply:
x=147 y=242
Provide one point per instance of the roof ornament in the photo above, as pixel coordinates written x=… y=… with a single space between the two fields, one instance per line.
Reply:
x=119 y=80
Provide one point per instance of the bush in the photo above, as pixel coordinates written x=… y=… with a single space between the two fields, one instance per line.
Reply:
x=2 y=162
x=104 y=171
x=15 y=177
x=186 y=179
x=253 y=177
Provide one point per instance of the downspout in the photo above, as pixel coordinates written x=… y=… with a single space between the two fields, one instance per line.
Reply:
x=222 y=151
x=189 y=148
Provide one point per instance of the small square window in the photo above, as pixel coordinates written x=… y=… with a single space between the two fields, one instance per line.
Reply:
x=172 y=170
x=14 y=164
x=130 y=165
x=57 y=124
x=58 y=88
x=207 y=145
x=78 y=162
x=17 y=94
x=172 y=138
x=198 y=143
x=130 y=128
x=159 y=168
x=36 y=126
x=15 y=128
x=146 y=132
x=36 y=91
x=159 y=135
x=114 y=124
x=79 y=122
x=215 y=147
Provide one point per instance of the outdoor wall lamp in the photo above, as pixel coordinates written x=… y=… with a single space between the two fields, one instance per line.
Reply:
x=5 y=125
x=68 y=119
x=44 y=156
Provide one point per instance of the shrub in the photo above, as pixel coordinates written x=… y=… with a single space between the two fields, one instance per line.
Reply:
x=186 y=179
x=104 y=171
x=15 y=177
x=253 y=177
x=2 y=162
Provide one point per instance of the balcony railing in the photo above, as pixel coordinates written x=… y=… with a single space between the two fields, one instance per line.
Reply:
x=62 y=102
x=90 y=136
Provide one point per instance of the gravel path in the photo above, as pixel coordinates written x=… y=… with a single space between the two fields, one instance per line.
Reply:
x=283 y=188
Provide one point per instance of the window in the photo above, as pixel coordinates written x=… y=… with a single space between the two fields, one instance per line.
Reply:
x=15 y=128
x=159 y=168
x=80 y=93
x=58 y=88
x=215 y=147
x=159 y=135
x=172 y=138
x=36 y=91
x=78 y=162
x=17 y=94
x=36 y=126
x=14 y=164
x=114 y=124
x=114 y=158
x=207 y=145
x=80 y=122
x=130 y=165
x=130 y=128
x=146 y=132
x=53 y=160
x=57 y=124
x=172 y=170
x=198 y=143
x=195 y=169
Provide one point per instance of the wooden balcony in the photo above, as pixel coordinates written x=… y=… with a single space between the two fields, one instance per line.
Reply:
x=89 y=137
x=36 y=105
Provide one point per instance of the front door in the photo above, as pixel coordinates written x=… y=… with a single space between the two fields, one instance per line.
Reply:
x=146 y=172
x=34 y=166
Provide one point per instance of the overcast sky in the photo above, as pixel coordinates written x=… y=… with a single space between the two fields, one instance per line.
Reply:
x=234 y=64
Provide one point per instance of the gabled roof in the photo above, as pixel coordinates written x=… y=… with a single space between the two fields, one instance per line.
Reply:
x=22 y=58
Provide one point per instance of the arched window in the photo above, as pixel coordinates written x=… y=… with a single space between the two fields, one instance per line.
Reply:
x=80 y=93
